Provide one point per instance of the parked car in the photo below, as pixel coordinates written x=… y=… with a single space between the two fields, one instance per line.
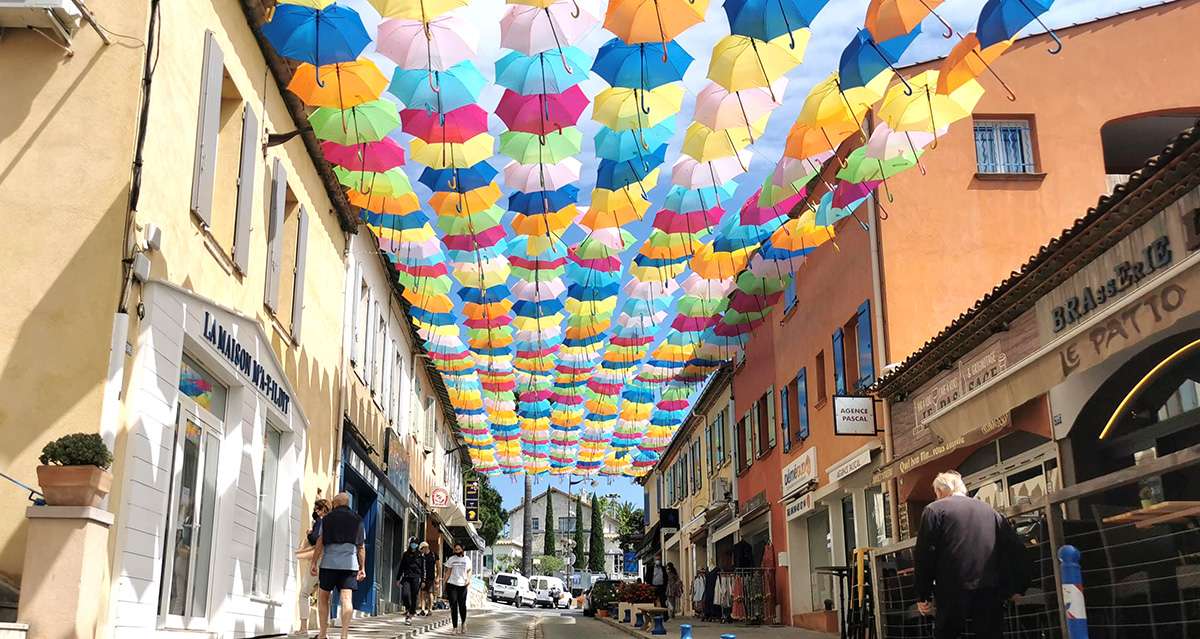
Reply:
x=549 y=592
x=511 y=588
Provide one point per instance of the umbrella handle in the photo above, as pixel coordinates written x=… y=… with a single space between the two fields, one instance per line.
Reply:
x=886 y=189
x=949 y=30
x=577 y=12
x=916 y=155
x=432 y=84
x=1058 y=44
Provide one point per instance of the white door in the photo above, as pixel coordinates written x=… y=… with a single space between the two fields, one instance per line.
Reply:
x=187 y=563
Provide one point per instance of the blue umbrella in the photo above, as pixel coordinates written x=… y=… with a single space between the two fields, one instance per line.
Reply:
x=618 y=175
x=1000 y=20
x=543 y=308
x=864 y=59
x=620 y=146
x=535 y=74
x=595 y=292
x=333 y=34
x=484 y=296
x=543 y=201
x=455 y=179
x=683 y=200
x=769 y=19
x=457 y=87
x=627 y=65
x=414 y=220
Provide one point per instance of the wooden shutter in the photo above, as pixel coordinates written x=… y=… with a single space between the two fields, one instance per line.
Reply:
x=275 y=234
x=204 y=168
x=298 y=280
x=771 y=429
x=245 y=189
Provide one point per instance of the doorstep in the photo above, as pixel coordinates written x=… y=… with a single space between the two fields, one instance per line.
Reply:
x=706 y=630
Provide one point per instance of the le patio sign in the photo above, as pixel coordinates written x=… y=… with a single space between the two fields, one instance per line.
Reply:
x=853 y=415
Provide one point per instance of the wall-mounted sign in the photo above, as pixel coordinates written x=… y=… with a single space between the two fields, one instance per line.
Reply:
x=800 y=471
x=440 y=498
x=241 y=359
x=755 y=505
x=801 y=505
x=850 y=465
x=1112 y=280
x=471 y=500
x=853 y=415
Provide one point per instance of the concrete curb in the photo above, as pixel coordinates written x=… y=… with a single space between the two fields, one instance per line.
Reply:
x=629 y=630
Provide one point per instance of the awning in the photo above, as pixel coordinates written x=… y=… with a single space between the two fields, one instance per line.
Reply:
x=467 y=536
x=650 y=542
x=935 y=451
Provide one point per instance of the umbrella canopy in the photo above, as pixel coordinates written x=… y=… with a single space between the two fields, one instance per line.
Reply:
x=367 y=122
x=543 y=201
x=531 y=148
x=827 y=106
x=640 y=21
x=457 y=126
x=693 y=174
x=390 y=183
x=454 y=88
x=1001 y=20
x=769 y=19
x=616 y=175
x=613 y=207
x=368 y=156
x=684 y=200
x=669 y=221
x=717 y=108
x=542 y=72
x=318 y=37
x=967 y=61
x=705 y=144
x=541 y=114
x=542 y=177
x=926 y=109
x=887 y=19
x=886 y=144
x=741 y=62
x=629 y=65
x=864 y=59
x=621 y=109
x=456 y=203
x=458 y=179
x=628 y=144
x=415 y=9
x=533 y=30
x=806 y=141
x=437 y=45
x=441 y=155
x=340 y=85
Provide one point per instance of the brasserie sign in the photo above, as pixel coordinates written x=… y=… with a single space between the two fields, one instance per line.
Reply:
x=1123 y=276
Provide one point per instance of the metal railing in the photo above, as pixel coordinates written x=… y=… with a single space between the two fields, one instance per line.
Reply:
x=749 y=596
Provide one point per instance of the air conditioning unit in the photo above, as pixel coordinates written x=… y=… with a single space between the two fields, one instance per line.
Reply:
x=721 y=489
x=59 y=16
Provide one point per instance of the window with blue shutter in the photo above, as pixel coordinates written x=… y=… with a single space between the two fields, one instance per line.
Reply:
x=785 y=418
x=802 y=405
x=866 y=354
x=789 y=294
x=839 y=362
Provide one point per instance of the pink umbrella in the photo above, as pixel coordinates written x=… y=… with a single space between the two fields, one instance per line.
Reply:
x=717 y=108
x=749 y=303
x=438 y=44
x=705 y=288
x=649 y=290
x=533 y=30
x=375 y=157
x=791 y=170
x=426 y=249
x=685 y=324
x=615 y=238
x=763 y=267
x=482 y=239
x=531 y=178
x=691 y=174
x=541 y=114
x=848 y=193
x=539 y=290
x=886 y=144
x=670 y=221
x=455 y=126
x=752 y=213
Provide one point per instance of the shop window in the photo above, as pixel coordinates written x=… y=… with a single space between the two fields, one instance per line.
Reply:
x=287 y=248
x=1185 y=399
x=879 y=523
x=785 y=415
x=204 y=389
x=820 y=371
x=865 y=347
x=820 y=553
x=1004 y=146
x=800 y=391
x=227 y=144
x=1018 y=442
x=268 y=480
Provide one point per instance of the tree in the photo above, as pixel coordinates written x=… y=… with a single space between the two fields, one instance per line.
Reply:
x=630 y=527
x=492 y=515
x=580 y=559
x=548 y=544
x=596 y=541
x=550 y=564
x=527 y=529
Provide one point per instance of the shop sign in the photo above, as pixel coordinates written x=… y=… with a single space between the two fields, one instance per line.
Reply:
x=853 y=415
x=802 y=470
x=1111 y=280
x=801 y=505
x=851 y=465
x=969 y=374
x=755 y=504
x=930 y=453
x=241 y=359
x=440 y=498
x=471 y=500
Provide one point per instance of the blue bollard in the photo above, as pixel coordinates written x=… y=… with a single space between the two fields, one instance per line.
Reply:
x=626 y=619
x=685 y=631
x=729 y=636
x=1072 y=591
x=641 y=619
x=659 y=628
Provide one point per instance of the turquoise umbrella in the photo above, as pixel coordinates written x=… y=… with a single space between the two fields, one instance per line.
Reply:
x=542 y=73
x=456 y=87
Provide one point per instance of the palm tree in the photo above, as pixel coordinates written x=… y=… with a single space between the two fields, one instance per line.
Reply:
x=527 y=528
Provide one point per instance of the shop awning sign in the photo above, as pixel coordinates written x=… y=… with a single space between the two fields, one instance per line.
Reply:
x=854 y=415
x=850 y=465
x=800 y=472
x=801 y=505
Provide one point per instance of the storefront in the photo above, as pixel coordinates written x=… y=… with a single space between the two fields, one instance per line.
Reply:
x=211 y=500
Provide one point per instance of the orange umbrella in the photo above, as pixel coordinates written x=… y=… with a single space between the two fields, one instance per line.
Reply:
x=639 y=21
x=806 y=141
x=338 y=86
x=614 y=208
x=967 y=61
x=473 y=201
x=433 y=302
x=887 y=19
x=397 y=205
x=553 y=223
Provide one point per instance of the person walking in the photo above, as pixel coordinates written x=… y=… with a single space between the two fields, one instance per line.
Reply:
x=674 y=589
x=657 y=577
x=427 y=586
x=455 y=580
x=409 y=576
x=309 y=584
x=969 y=560
x=339 y=561
x=698 y=593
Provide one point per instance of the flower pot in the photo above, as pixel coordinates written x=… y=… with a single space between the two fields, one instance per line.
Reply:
x=601 y=612
x=74 y=485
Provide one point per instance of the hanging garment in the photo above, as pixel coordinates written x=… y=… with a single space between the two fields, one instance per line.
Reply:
x=739 y=598
x=712 y=607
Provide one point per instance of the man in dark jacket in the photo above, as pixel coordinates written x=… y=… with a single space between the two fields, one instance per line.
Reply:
x=409 y=576
x=969 y=560
x=428 y=586
x=339 y=560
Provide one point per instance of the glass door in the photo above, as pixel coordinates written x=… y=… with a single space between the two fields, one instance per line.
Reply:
x=188 y=557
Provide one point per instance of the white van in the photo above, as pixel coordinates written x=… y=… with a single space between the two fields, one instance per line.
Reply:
x=549 y=592
x=512 y=588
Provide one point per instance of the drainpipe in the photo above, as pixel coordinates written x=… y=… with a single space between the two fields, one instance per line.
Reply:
x=883 y=355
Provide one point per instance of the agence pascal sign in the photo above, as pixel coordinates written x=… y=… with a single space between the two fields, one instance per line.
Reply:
x=241 y=359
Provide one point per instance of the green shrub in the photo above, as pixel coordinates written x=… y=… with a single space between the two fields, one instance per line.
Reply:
x=79 y=449
x=638 y=593
x=603 y=594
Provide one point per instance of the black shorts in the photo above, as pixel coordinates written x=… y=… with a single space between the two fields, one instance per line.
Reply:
x=333 y=579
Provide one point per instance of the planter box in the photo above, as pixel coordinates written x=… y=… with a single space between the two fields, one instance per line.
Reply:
x=74 y=485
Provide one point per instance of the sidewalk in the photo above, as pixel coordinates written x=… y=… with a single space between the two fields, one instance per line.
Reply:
x=707 y=630
x=389 y=626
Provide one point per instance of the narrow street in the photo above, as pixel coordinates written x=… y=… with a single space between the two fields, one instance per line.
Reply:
x=496 y=621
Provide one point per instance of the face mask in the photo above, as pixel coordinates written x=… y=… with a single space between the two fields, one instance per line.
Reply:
x=458 y=553
x=412 y=546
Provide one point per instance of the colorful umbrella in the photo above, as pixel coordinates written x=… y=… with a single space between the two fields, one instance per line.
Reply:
x=531 y=148
x=319 y=37
x=368 y=156
x=533 y=30
x=542 y=72
x=926 y=109
x=627 y=65
x=449 y=90
x=340 y=85
x=887 y=19
x=769 y=19
x=717 y=108
x=391 y=183
x=1001 y=20
x=705 y=144
x=367 y=122
x=621 y=109
x=642 y=21
x=541 y=114
x=741 y=62
x=455 y=202
x=415 y=9
x=442 y=155
x=542 y=177
x=459 y=179
x=628 y=144
x=693 y=174
x=864 y=59
x=456 y=126
x=967 y=61
x=436 y=45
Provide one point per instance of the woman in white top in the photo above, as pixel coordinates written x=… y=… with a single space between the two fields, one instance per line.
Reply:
x=455 y=581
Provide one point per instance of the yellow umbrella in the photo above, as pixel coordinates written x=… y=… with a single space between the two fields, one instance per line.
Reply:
x=967 y=61
x=741 y=62
x=445 y=155
x=614 y=208
x=423 y=10
x=621 y=109
x=639 y=21
x=926 y=109
x=401 y=204
x=827 y=104
x=705 y=144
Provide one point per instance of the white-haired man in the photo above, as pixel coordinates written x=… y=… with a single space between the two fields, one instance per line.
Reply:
x=339 y=561
x=968 y=560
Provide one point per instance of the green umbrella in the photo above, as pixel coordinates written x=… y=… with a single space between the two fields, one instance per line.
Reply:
x=752 y=284
x=471 y=223
x=592 y=249
x=390 y=183
x=367 y=122
x=860 y=168
x=543 y=274
x=531 y=148
x=426 y=284
x=699 y=307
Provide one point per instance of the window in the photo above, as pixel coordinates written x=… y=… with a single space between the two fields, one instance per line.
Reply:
x=227 y=143
x=362 y=308
x=801 y=390
x=536 y=524
x=397 y=375
x=671 y=484
x=430 y=420
x=1004 y=146
x=268 y=478
x=785 y=416
x=839 y=362
x=379 y=352
x=820 y=371
x=866 y=354
x=566 y=524
x=722 y=429
x=789 y=294
x=287 y=246
x=763 y=415
x=684 y=475
x=708 y=445
x=697 y=468
x=745 y=439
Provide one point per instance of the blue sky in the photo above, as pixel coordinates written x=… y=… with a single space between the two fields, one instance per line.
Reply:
x=512 y=487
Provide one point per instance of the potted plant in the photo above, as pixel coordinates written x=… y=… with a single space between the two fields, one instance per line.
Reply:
x=637 y=593
x=74 y=470
x=604 y=594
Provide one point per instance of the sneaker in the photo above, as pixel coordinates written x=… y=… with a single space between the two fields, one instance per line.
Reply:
x=408 y=621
